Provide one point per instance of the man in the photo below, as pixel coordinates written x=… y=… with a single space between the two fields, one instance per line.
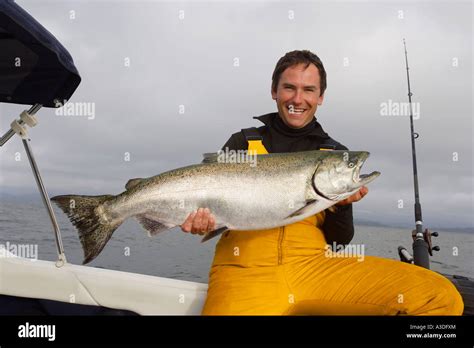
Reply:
x=288 y=270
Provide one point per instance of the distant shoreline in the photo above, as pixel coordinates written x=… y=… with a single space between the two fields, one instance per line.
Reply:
x=466 y=230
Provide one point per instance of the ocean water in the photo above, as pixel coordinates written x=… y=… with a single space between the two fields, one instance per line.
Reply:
x=178 y=255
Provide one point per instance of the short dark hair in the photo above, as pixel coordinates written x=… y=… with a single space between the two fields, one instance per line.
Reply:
x=299 y=57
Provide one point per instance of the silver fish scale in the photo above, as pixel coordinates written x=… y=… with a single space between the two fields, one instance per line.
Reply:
x=241 y=197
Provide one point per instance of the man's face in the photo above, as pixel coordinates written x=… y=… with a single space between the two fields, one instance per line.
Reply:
x=298 y=95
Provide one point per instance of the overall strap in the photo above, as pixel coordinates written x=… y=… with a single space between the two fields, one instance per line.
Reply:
x=254 y=140
x=328 y=145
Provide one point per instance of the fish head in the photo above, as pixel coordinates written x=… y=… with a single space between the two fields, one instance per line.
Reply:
x=338 y=176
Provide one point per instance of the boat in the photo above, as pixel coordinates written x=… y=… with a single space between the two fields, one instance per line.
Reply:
x=48 y=78
x=36 y=287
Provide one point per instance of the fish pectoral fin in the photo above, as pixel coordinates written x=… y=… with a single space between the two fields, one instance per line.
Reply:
x=132 y=183
x=210 y=157
x=309 y=204
x=152 y=226
x=215 y=233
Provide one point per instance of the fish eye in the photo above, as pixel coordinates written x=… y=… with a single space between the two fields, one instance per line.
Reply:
x=351 y=165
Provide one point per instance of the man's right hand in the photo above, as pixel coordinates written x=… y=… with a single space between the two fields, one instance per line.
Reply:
x=199 y=222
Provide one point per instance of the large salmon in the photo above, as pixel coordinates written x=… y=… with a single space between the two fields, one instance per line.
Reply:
x=279 y=190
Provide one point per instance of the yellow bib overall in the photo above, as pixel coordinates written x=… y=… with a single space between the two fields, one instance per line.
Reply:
x=288 y=270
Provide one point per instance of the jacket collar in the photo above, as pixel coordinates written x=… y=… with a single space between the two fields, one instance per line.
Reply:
x=267 y=120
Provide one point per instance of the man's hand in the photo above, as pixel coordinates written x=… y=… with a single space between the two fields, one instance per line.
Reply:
x=199 y=222
x=355 y=197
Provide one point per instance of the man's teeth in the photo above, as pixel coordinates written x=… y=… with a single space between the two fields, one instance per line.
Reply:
x=296 y=111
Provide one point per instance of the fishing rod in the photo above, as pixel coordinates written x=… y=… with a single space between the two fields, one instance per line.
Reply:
x=422 y=248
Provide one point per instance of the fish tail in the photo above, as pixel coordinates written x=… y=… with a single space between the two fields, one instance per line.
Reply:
x=87 y=215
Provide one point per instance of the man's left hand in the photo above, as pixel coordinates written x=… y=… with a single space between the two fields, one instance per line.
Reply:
x=355 y=197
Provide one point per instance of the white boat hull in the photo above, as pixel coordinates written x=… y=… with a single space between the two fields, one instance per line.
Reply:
x=142 y=294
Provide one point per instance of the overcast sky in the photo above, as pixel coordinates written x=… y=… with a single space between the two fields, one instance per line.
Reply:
x=185 y=53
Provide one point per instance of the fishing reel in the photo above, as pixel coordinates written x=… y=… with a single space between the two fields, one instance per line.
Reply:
x=405 y=256
x=427 y=234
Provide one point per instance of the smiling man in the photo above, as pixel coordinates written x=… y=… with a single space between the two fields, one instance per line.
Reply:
x=288 y=270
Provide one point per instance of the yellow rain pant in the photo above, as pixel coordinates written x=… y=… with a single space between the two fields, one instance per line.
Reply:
x=289 y=271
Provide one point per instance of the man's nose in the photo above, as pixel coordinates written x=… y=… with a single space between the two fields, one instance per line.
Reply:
x=298 y=97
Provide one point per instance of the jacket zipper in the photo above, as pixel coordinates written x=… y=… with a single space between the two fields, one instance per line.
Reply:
x=280 y=242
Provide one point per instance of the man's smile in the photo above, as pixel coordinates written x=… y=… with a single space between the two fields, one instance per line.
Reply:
x=294 y=111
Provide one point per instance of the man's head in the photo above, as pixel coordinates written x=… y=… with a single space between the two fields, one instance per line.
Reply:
x=298 y=85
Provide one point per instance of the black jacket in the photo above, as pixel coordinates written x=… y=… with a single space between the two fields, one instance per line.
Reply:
x=277 y=137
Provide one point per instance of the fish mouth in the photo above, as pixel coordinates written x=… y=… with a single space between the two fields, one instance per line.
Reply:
x=363 y=179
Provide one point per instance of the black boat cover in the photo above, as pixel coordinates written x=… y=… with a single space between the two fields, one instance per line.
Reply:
x=34 y=67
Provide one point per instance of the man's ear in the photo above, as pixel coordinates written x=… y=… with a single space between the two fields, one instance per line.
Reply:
x=274 y=95
x=320 y=99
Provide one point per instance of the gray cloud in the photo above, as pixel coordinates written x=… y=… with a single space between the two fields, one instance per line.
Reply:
x=190 y=62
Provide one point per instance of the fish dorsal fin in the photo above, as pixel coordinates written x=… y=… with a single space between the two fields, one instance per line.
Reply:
x=210 y=157
x=132 y=183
